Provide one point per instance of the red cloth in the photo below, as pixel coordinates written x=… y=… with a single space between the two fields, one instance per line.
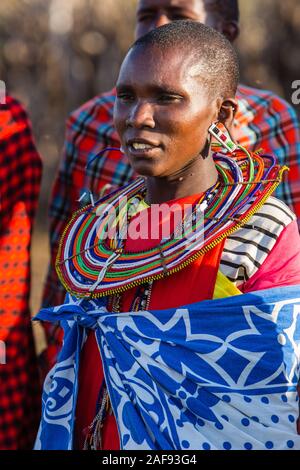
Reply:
x=194 y=283
x=20 y=175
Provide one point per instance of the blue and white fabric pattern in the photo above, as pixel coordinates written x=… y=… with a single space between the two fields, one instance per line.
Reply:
x=219 y=374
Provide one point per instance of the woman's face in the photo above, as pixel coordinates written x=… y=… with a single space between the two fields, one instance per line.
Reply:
x=162 y=111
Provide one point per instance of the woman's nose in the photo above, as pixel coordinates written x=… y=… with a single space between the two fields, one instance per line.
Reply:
x=140 y=116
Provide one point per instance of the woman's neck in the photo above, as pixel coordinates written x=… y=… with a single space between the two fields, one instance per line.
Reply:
x=195 y=179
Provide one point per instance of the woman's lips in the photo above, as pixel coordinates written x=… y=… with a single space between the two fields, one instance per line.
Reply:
x=143 y=149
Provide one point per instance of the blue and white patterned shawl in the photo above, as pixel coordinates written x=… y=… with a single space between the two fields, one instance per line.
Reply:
x=218 y=374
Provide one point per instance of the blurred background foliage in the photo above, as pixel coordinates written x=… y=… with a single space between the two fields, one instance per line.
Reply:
x=55 y=54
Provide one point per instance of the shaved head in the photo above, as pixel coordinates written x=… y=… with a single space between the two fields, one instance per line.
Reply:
x=213 y=59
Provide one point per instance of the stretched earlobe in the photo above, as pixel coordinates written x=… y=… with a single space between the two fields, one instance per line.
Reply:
x=206 y=150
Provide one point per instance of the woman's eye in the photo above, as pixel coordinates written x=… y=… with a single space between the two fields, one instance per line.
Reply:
x=169 y=98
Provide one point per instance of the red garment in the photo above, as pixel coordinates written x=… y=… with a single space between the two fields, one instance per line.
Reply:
x=20 y=175
x=194 y=283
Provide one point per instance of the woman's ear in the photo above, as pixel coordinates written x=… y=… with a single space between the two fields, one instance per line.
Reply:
x=227 y=112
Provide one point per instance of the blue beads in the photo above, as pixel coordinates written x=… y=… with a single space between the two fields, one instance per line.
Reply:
x=206 y=446
x=291 y=418
x=200 y=422
x=269 y=445
x=245 y=422
x=284 y=398
x=290 y=444
x=255 y=418
x=182 y=395
x=248 y=445
x=179 y=423
x=274 y=418
x=185 y=444
x=227 y=445
x=265 y=400
x=225 y=417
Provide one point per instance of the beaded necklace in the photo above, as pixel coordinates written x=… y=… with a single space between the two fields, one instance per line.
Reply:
x=142 y=297
x=88 y=267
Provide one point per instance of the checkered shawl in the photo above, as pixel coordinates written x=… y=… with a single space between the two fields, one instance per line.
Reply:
x=20 y=175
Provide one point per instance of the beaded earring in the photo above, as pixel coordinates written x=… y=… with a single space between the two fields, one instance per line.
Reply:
x=222 y=135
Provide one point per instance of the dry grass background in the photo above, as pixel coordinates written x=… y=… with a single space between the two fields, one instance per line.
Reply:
x=55 y=54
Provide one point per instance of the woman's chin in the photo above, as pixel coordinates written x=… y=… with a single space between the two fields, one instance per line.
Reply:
x=147 y=170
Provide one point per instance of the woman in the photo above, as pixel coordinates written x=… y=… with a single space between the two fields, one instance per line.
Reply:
x=198 y=226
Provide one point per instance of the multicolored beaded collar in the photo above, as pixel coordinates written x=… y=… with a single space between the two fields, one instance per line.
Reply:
x=88 y=267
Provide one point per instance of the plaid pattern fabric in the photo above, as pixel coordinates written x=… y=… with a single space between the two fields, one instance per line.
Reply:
x=20 y=175
x=263 y=121
x=266 y=121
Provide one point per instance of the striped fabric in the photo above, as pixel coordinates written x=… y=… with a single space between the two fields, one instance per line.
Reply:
x=246 y=250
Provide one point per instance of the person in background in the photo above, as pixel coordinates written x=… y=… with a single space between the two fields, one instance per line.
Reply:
x=263 y=120
x=20 y=175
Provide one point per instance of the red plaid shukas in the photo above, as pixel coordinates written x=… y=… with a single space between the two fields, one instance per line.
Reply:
x=20 y=176
x=263 y=121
